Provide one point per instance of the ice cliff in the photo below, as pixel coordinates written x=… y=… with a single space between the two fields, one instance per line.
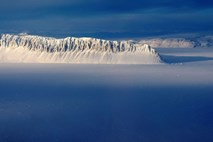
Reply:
x=36 y=49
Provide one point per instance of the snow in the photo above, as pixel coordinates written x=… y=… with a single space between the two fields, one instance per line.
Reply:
x=197 y=56
x=178 y=42
x=168 y=43
x=108 y=103
x=24 y=48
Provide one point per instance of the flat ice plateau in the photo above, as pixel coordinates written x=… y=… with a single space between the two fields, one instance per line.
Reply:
x=110 y=103
x=179 y=41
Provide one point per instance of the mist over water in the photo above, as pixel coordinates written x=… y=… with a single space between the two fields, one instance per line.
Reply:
x=62 y=102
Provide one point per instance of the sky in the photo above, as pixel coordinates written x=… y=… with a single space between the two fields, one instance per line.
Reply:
x=106 y=18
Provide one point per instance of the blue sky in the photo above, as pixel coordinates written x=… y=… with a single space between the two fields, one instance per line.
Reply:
x=106 y=18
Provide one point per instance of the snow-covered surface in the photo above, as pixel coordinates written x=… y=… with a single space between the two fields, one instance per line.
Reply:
x=179 y=42
x=168 y=43
x=109 y=103
x=24 y=48
x=192 y=56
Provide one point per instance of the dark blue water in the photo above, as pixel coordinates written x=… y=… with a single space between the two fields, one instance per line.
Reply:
x=36 y=106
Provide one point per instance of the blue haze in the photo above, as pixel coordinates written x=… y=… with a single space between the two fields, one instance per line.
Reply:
x=106 y=19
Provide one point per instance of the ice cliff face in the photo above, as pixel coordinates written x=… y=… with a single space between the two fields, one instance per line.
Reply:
x=28 y=48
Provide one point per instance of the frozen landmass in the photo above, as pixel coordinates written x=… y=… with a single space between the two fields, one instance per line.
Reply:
x=178 y=42
x=36 y=49
x=168 y=42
